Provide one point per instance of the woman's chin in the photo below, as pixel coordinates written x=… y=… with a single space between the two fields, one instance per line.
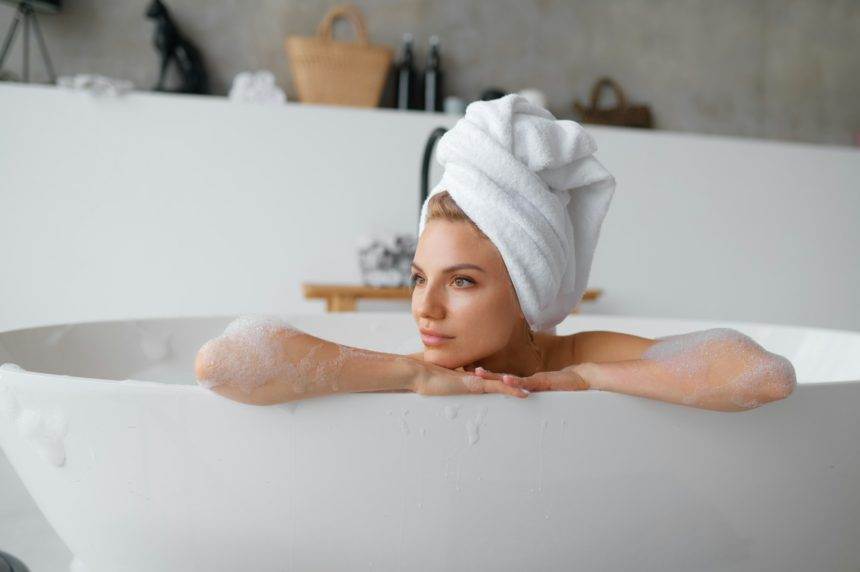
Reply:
x=444 y=358
x=441 y=357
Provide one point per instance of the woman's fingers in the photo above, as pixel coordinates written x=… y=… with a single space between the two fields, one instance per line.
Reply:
x=443 y=381
x=496 y=386
x=486 y=374
x=564 y=380
x=509 y=380
x=537 y=382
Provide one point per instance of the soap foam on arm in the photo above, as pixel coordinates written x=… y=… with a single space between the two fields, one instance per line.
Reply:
x=722 y=363
x=719 y=369
x=265 y=360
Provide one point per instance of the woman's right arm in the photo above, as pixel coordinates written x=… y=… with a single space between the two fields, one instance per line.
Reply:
x=293 y=365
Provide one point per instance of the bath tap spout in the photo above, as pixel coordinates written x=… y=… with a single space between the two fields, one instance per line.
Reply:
x=435 y=135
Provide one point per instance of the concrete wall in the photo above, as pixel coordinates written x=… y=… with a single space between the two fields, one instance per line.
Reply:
x=775 y=69
x=161 y=205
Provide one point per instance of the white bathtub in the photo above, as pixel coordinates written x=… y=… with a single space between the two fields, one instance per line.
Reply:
x=160 y=474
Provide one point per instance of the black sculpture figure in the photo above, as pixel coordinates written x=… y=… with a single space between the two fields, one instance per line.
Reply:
x=172 y=46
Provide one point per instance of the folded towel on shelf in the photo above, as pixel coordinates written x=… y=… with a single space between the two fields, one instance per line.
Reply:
x=256 y=87
x=530 y=182
x=95 y=84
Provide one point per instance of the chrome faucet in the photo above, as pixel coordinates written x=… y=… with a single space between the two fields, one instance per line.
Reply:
x=425 y=164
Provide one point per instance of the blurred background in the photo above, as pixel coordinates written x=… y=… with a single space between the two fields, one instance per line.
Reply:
x=187 y=158
x=772 y=69
x=194 y=158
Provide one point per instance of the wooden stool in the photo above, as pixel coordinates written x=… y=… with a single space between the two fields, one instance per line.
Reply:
x=345 y=297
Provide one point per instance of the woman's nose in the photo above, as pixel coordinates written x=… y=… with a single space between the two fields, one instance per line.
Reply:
x=429 y=302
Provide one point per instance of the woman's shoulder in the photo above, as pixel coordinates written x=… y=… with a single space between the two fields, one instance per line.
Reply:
x=596 y=347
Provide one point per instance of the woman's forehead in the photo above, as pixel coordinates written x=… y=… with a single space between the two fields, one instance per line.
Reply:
x=445 y=243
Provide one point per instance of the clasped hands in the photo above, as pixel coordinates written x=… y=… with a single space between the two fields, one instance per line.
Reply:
x=443 y=381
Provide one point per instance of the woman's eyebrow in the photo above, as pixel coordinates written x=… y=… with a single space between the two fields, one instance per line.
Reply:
x=455 y=267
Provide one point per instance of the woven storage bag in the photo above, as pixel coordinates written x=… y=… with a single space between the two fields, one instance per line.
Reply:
x=339 y=73
x=623 y=114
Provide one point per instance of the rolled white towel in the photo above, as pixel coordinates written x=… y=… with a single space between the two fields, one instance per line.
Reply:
x=256 y=87
x=95 y=84
x=531 y=184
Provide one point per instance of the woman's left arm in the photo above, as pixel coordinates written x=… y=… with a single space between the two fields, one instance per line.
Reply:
x=718 y=369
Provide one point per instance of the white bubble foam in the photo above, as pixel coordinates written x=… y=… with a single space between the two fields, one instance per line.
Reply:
x=247 y=354
x=46 y=432
x=9 y=366
x=255 y=350
x=689 y=356
x=9 y=406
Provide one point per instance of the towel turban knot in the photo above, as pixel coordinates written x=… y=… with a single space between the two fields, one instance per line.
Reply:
x=530 y=182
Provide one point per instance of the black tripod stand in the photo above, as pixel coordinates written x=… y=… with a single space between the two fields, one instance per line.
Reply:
x=27 y=16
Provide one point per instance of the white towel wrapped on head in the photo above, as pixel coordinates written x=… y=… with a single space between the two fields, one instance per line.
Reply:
x=531 y=184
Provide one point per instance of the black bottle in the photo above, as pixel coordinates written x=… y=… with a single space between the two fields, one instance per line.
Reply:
x=433 y=78
x=406 y=89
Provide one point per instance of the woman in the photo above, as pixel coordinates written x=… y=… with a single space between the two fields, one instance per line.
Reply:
x=505 y=246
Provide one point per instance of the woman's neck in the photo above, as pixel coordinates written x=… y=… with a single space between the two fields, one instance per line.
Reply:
x=524 y=355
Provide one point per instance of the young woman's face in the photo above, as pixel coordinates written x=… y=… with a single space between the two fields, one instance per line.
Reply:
x=462 y=290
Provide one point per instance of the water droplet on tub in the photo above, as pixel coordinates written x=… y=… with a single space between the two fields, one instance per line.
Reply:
x=473 y=427
x=9 y=406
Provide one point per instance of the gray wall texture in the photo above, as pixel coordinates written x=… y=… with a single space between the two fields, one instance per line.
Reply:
x=774 y=69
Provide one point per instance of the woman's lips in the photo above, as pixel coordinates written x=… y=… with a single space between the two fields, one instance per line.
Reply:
x=433 y=340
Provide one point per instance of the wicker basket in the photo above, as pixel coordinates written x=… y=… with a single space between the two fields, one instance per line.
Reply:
x=339 y=73
x=623 y=113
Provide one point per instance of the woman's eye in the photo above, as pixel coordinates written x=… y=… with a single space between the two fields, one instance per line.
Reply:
x=415 y=279
x=467 y=280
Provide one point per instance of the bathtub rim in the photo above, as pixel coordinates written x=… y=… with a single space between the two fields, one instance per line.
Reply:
x=182 y=387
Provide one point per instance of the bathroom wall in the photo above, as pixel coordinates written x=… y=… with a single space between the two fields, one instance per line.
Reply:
x=162 y=205
x=775 y=69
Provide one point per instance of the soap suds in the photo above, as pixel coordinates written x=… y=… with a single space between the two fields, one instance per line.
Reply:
x=255 y=350
x=451 y=411
x=9 y=406
x=688 y=356
x=46 y=431
x=9 y=366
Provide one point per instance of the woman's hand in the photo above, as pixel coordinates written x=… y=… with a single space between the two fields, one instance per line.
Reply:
x=567 y=379
x=438 y=380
